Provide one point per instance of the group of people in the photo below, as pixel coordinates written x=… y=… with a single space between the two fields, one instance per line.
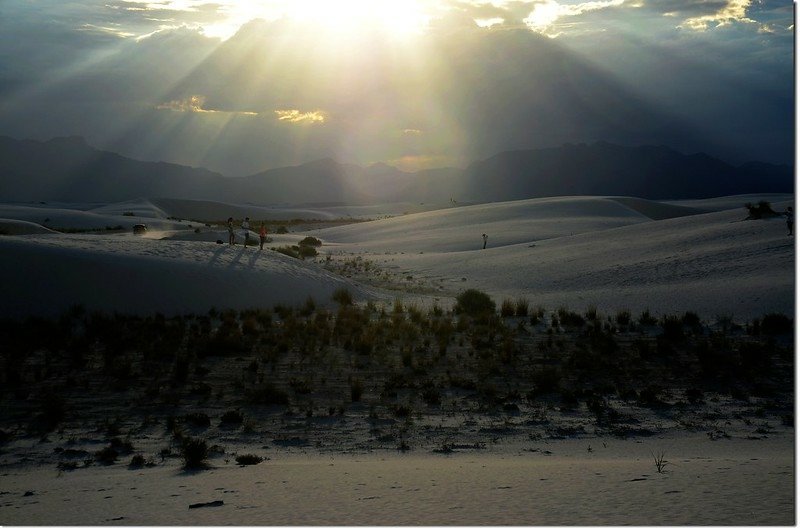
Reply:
x=262 y=233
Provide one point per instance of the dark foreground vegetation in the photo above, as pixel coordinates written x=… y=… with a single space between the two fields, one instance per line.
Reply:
x=391 y=377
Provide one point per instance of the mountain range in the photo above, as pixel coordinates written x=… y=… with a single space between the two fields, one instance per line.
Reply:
x=68 y=169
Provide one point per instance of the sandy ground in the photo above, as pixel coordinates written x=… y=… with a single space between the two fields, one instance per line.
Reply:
x=608 y=252
x=726 y=482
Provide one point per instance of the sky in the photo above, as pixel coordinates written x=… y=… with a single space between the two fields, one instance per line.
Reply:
x=243 y=86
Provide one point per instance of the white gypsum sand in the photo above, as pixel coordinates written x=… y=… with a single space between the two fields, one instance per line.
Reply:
x=523 y=460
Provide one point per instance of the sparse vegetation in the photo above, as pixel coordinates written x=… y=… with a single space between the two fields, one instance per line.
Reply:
x=285 y=367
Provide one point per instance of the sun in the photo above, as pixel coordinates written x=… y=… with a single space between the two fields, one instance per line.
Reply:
x=398 y=17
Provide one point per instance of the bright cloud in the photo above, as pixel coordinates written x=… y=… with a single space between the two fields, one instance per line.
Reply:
x=195 y=104
x=732 y=11
x=545 y=14
x=296 y=116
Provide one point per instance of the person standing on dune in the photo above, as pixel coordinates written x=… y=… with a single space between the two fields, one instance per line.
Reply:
x=246 y=228
x=231 y=235
x=790 y=220
x=262 y=236
x=485 y=238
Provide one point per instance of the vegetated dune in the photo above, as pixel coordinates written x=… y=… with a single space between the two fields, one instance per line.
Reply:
x=564 y=251
x=733 y=201
x=710 y=263
x=128 y=274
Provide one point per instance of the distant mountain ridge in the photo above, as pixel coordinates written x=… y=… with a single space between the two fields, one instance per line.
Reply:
x=69 y=170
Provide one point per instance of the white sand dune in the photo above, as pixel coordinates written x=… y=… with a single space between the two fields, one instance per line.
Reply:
x=59 y=217
x=610 y=252
x=21 y=227
x=207 y=210
x=577 y=252
x=126 y=273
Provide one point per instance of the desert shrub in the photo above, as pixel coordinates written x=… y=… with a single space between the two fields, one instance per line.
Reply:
x=194 y=451
x=546 y=380
x=342 y=296
x=281 y=230
x=692 y=320
x=401 y=410
x=474 y=303
x=672 y=327
x=649 y=397
x=521 y=307
x=268 y=394
x=646 y=318
x=569 y=318
x=107 y=455
x=694 y=395
x=306 y=251
x=775 y=323
x=301 y=386
x=198 y=419
x=623 y=317
x=310 y=241
x=231 y=417
x=248 y=459
x=507 y=308
x=291 y=251
x=761 y=210
x=431 y=395
x=356 y=390
x=53 y=411
x=137 y=461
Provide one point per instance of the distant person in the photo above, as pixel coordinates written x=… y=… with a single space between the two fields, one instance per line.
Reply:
x=246 y=228
x=790 y=220
x=485 y=238
x=262 y=236
x=231 y=234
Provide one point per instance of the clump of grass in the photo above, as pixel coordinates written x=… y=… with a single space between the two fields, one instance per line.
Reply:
x=659 y=461
x=231 y=417
x=474 y=303
x=197 y=419
x=356 y=390
x=248 y=459
x=342 y=296
x=310 y=241
x=107 y=455
x=521 y=307
x=137 y=461
x=194 y=451
x=268 y=394
x=507 y=308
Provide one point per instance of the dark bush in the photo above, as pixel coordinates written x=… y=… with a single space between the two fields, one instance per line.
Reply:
x=248 y=459
x=356 y=390
x=194 y=452
x=269 y=395
x=474 y=303
x=306 y=251
x=342 y=296
x=137 y=461
x=231 y=417
x=775 y=323
x=507 y=308
x=310 y=241
x=106 y=456
x=198 y=419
